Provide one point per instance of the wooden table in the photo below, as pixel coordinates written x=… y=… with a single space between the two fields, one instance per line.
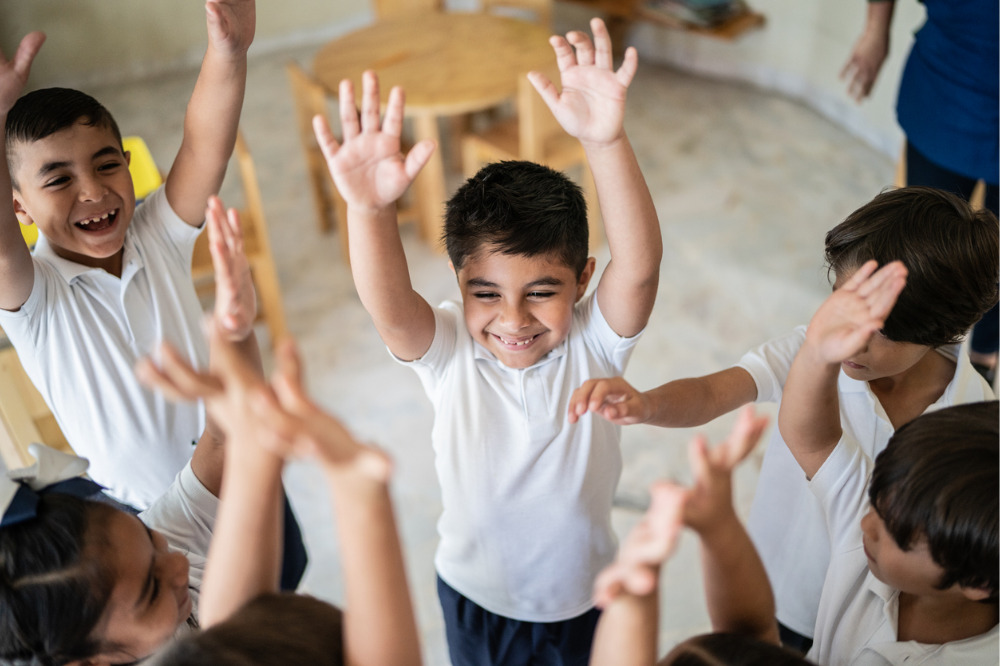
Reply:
x=448 y=64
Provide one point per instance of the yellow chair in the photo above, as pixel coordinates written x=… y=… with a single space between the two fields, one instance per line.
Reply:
x=536 y=136
x=145 y=176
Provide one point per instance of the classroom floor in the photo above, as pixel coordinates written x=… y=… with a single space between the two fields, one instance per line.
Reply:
x=746 y=183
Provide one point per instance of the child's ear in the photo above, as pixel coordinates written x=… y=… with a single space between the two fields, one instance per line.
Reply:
x=585 y=275
x=975 y=593
x=22 y=215
x=128 y=158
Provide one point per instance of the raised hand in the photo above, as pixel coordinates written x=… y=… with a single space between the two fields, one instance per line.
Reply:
x=235 y=296
x=591 y=105
x=709 y=502
x=847 y=319
x=649 y=544
x=369 y=168
x=612 y=398
x=231 y=25
x=14 y=73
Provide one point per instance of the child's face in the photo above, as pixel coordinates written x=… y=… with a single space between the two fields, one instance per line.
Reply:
x=913 y=571
x=882 y=357
x=150 y=598
x=518 y=307
x=75 y=185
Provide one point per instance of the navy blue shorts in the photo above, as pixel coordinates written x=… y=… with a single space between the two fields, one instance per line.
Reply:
x=477 y=637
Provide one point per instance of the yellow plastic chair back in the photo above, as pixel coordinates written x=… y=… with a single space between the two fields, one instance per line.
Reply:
x=145 y=176
x=30 y=233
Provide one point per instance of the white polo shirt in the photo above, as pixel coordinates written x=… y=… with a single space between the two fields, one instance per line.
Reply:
x=80 y=334
x=527 y=496
x=786 y=522
x=858 y=616
x=185 y=516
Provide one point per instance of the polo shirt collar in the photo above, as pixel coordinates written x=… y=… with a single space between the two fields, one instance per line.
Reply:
x=480 y=353
x=71 y=270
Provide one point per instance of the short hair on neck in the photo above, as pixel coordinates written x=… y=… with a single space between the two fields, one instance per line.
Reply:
x=518 y=208
x=271 y=630
x=44 y=112
x=949 y=250
x=937 y=479
x=730 y=649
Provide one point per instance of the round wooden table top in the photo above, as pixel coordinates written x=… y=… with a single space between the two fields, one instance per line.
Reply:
x=447 y=63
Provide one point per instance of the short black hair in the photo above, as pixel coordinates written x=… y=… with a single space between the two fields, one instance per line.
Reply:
x=518 y=208
x=937 y=479
x=950 y=251
x=41 y=113
x=270 y=630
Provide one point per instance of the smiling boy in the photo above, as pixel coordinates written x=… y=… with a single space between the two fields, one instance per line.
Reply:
x=108 y=280
x=527 y=497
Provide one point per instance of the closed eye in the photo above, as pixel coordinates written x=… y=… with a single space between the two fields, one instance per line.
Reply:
x=541 y=294
x=485 y=295
x=56 y=182
x=109 y=166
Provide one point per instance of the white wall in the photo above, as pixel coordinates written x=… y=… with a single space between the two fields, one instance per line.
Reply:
x=800 y=52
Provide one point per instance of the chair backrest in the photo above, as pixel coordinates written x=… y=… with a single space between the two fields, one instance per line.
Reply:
x=536 y=124
x=386 y=10
x=146 y=177
x=538 y=11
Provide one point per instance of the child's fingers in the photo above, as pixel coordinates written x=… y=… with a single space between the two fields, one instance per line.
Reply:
x=607 y=585
x=417 y=158
x=370 y=103
x=698 y=458
x=349 y=124
x=860 y=275
x=324 y=137
x=602 y=44
x=584 y=47
x=26 y=52
x=565 y=57
x=630 y=64
x=743 y=438
x=393 y=122
x=546 y=89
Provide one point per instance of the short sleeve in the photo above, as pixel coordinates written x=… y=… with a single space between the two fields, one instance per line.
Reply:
x=841 y=486
x=444 y=346
x=154 y=215
x=613 y=349
x=769 y=364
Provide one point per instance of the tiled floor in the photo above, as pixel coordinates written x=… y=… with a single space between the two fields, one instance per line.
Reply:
x=746 y=184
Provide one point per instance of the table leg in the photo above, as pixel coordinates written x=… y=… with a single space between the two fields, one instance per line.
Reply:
x=430 y=184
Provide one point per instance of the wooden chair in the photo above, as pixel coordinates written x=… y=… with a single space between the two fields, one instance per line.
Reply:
x=393 y=9
x=536 y=136
x=24 y=416
x=539 y=11
x=258 y=249
x=310 y=101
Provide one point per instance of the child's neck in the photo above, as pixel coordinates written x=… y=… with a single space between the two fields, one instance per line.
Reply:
x=907 y=395
x=942 y=619
x=112 y=264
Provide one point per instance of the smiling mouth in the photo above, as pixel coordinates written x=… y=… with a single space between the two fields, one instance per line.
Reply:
x=99 y=222
x=853 y=366
x=523 y=342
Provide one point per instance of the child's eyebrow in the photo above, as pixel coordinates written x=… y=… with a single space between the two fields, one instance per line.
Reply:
x=52 y=166
x=545 y=282
x=481 y=282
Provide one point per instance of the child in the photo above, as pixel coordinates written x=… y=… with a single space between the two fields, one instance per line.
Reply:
x=82 y=580
x=109 y=280
x=527 y=499
x=245 y=621
x=913 y=571
x=912 y=365
x=740 y=602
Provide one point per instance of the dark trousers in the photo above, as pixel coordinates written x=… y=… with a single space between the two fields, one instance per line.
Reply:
x=793 y=640
x=477 y=637
x=293 y=554
x=921 y=171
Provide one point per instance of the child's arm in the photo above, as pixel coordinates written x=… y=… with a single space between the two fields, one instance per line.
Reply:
x=213 y=114
x=682 y=403
x=869 y=52
x=17 y=275
x=627 y=591
x=809 y=415
x=591 y=107
x=379 y=625
x=737 y=590
x=371 y=173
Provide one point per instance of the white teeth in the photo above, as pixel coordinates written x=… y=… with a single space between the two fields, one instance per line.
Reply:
x=515 y=343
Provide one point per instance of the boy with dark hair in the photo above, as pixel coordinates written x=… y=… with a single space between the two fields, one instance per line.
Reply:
x=527 y=497
x=912 y=365
x=110 y=280
x=913 y=566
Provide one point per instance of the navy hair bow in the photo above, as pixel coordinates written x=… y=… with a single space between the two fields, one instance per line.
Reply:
x=53 y=472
